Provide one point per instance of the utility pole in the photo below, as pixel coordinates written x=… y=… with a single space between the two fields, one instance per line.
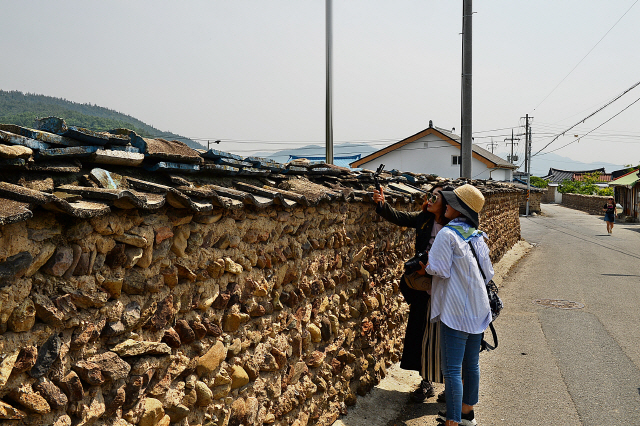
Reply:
x=492 y=144
x=512 y=139
x=329 y=113
x=526 y=146
x=467 y=57
x=530 y=131
x=528 y=160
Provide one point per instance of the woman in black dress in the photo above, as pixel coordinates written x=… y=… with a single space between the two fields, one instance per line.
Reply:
x=421 y=341
x=609 y=213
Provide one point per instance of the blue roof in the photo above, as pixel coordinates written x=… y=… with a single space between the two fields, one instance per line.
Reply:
x=341 y=161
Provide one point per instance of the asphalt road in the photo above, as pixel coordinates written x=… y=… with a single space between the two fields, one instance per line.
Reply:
x=569 y=335
x=555 y=365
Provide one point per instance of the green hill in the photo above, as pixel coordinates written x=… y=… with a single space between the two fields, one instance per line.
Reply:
x=23 y=108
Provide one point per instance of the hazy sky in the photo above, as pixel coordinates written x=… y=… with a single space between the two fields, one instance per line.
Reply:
x=252 y=72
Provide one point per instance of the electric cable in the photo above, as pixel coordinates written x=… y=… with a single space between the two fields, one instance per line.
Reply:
x=573 y=69
x=578 y=139
x=591 y=115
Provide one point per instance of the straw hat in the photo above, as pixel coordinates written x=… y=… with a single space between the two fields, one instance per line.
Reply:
x=467 y=199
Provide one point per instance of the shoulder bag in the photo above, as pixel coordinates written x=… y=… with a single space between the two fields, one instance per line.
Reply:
x=495 y=303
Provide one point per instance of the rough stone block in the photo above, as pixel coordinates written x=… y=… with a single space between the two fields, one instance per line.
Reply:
x=23 y=317
x=210 y=361
x=153 y=412
x=60 y=262
x=47 y=354
x=29 y=399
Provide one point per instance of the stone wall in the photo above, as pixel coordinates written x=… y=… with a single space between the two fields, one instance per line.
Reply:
x=535 y=198
x=247 y=316
x=549 y=194
x=591 y=204
x=499 y=218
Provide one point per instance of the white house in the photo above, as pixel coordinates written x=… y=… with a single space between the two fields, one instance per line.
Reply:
x=437 y=151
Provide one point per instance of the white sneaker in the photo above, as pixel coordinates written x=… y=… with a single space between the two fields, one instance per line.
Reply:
x=466 y=419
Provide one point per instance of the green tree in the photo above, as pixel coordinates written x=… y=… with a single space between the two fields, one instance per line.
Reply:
x=538 y=182
x=586 y=186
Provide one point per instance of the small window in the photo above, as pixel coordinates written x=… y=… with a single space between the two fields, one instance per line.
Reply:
x=456 y=160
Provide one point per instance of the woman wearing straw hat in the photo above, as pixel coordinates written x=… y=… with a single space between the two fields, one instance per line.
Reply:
x=459 y=301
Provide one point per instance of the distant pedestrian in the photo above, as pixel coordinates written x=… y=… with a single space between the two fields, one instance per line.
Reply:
x=421 y=350
x=609 y=213
x=459 y=301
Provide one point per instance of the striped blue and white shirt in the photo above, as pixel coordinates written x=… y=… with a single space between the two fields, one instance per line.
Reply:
x=458 y=293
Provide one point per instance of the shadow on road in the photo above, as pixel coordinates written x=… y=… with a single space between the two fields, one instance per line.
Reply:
x=619 y=275
x=412 y=412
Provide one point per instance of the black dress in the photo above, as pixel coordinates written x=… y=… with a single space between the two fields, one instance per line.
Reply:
x=419 y=335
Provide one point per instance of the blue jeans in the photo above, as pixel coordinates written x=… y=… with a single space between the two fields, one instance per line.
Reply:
x=460 y=356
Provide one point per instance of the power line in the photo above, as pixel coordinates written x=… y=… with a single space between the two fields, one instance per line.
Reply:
x=492 y=144
x=512 y=159
x=492 y=130
x=573 y=69
x=591 y=115
x=578 y=139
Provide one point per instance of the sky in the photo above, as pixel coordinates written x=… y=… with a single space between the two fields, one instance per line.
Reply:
x=252 y=73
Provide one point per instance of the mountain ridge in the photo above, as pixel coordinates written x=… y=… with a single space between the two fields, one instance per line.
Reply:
x=317 y=151
x=23 y=108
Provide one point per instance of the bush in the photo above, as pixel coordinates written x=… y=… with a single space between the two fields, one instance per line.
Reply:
x=586 y=187
x=538 y=182
x=606 y=192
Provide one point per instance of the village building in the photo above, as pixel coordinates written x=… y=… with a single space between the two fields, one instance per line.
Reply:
x=437 y=151
x=627 y=194
x=555 y=177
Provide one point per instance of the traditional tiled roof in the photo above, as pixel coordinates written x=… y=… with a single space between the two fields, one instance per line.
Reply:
x=341 y=161
x=84 y=174
x=602 y=177
x=559 y=176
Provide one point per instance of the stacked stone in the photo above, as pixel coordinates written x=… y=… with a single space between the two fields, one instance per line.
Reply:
x=591 y=204
x=500 y=220
x=245 y=317
x=549 y=194
x=273 y=316
x=535 y=198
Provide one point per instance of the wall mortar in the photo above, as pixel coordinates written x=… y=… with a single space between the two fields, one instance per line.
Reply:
x=259 y=316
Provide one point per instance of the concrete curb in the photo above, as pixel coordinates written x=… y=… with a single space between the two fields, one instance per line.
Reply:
x=388 y=402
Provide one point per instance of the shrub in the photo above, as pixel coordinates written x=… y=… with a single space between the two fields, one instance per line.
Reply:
x=587 y=186
x=605 y=192
x=538 y=182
